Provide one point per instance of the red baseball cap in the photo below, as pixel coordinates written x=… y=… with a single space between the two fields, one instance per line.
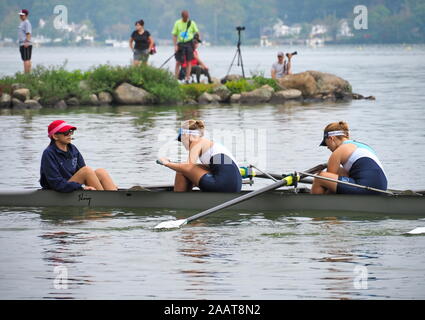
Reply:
x=59 y=126
x=23 y=12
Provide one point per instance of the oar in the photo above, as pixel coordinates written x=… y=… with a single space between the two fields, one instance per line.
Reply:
x=287 y=181
x=347 y=183
x=166 y=61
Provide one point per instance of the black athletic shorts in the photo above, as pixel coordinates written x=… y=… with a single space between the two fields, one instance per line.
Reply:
x=25 y=52
x=185 y=50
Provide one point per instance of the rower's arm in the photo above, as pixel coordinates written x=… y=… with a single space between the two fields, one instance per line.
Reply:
x=273 y=72
x=334 y=162
x=195 y=153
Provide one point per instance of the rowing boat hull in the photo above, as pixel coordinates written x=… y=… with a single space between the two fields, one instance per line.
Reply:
x=277 y=201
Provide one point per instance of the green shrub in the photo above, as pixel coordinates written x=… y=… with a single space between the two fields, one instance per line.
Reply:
x=194 y=90
x=261 y=81
x=239 y=86
x=161 y=83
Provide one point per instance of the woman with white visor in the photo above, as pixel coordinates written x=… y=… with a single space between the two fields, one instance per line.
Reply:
x=217 y=170
x=350 y=161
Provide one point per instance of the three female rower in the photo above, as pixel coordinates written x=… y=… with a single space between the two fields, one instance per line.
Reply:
x=359 y=162
x=63 y=168
x=217 y=171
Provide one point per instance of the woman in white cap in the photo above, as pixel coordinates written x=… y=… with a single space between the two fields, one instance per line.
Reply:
x=63 y=168
x=350 y=161
x=217 y=171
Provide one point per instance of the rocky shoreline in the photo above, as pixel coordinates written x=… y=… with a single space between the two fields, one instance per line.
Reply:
x=309 y=86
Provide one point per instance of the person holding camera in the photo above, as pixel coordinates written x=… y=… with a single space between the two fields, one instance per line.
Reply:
x=184 y=32
x=141 y=43
x=281 y=68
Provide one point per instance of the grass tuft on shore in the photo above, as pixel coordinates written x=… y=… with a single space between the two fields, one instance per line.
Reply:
x=54 y=83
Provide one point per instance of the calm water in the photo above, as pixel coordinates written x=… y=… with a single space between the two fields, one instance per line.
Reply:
x=114 y=254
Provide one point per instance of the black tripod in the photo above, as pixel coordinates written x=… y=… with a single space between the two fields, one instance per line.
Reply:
x=238 y=53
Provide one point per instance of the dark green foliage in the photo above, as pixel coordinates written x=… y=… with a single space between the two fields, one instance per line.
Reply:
x=194 y=90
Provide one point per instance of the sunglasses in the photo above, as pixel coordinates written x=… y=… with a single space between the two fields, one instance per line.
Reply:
x=67 y=133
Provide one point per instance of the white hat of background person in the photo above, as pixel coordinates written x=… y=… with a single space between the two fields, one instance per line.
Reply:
x=280 y=54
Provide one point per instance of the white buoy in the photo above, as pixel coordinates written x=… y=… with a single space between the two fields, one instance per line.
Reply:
x=420 y=230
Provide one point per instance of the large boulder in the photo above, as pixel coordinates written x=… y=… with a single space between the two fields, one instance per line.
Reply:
x=231 y=77
x=304 y=82
x=223 y=92
x=5 y=101
x=329 y=83
x=260 y=95
x=32 y=104
x=93 y=100
x=18 y=104
x=131 y=95
x=21 y=94
x=61 y=105
x=314 y=84
x=285 y=95
x=73 y=102
x=235 y=98
x=207 y=98
x=105 y=98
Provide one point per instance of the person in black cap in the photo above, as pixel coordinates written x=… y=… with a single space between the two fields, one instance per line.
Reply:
x=24 y=39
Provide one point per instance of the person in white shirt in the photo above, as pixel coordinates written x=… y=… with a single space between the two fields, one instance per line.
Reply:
x=24 y=39
x=282 y=67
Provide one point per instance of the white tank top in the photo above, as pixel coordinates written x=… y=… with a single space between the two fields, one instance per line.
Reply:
x=362 y=151
x=216 y=148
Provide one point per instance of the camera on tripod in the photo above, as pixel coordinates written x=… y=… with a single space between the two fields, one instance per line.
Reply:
x=240 y=28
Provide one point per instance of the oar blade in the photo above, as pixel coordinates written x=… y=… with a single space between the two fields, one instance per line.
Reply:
x=172 y=224
x=420 y=230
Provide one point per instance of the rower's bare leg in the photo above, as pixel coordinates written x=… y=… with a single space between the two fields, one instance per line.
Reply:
x=181 y=183
x=193 y=172
x=87 y=176
x=105 y=179
x=321 y=186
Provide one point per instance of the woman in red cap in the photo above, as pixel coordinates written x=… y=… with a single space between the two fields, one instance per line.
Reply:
x=63 y=168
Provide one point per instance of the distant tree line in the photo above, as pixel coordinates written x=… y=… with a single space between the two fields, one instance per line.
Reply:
x=389 y=21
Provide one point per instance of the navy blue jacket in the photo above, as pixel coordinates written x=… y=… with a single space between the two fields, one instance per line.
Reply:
x=57 y=167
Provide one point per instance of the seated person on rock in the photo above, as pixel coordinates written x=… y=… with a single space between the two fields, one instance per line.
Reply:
x=198 y=67
x=281 y=67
